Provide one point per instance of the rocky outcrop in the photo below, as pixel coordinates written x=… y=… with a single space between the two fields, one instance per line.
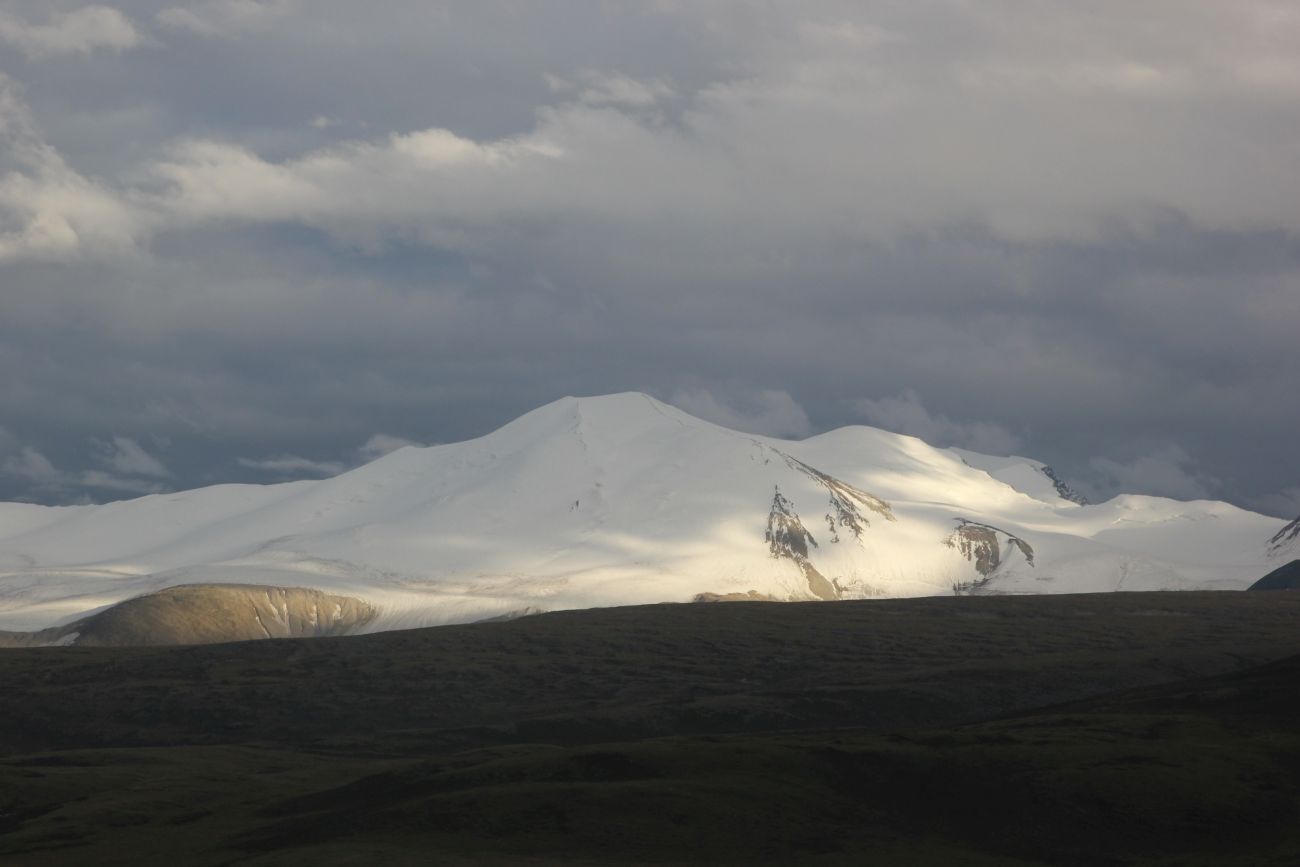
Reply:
x=1062 y=489
x=751 y=596
x=209 y=614
x=847 y=502
x=526 y=611
x=788 y=539
x=1284 y=538
x=979 y=544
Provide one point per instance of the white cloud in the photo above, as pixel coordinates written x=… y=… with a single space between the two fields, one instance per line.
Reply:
x=906 y=414
x=381 y=444
x=47 y=209
x=774 y=153
x=78 y=32
x=292 y=465
x=430 y=186
x=1167 y=471
x=770 y=412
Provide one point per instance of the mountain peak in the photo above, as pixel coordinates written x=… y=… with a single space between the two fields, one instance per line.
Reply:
x=627 y=413
x=623 y=499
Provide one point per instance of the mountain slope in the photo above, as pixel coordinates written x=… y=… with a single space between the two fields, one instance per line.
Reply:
x=623 y=500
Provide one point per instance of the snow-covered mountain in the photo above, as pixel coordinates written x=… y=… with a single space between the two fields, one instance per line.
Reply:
x=624 y=500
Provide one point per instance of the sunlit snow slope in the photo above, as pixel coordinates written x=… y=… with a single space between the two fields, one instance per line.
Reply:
x=622 y=500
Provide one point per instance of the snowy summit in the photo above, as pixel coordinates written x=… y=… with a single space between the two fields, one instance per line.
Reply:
x=620 y=500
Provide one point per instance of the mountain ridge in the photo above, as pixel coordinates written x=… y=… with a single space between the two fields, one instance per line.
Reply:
x=622 y=499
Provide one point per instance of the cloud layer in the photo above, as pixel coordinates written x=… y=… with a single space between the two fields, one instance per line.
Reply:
x=264 y=230
x=80 y=31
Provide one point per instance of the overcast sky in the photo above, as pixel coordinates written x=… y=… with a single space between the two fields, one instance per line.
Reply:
x=256 y=241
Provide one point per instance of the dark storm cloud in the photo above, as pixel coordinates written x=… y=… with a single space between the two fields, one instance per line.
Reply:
x=241 y=239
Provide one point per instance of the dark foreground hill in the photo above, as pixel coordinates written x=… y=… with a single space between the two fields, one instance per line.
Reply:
x=1285 y=577
x=931 y=731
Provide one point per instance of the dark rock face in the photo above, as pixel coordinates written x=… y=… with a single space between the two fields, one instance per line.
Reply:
x=1285 y=536
x=979 y=544
x=788 y=539
x=1064 y=490
x=1283 y=578
x=846 y=501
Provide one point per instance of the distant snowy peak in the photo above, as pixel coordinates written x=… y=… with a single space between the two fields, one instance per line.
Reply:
x=1028 y=476
x=620 y=500
x=1286 y=540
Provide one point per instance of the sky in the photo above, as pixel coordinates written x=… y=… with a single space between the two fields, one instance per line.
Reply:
x=261 y=240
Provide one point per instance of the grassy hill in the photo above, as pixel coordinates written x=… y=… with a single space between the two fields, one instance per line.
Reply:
x=1107 y=729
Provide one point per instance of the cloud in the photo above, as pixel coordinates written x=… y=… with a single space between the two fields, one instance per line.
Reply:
x=1282 y=504
x=774 y=155
x=589 y=160
x=381 y=444
x=126 y=456
x=47 y=209
x=1167 y=471
x=784 y=141
x=769 y=412
x=906 y=414
x=824 y=199
x=221 y=18
x=44 y=480
x=32 y=466
x=80 y=31
x=98 y=479
x=430 y=186
x=597 y=88
x=293 y=465
x=375 y=447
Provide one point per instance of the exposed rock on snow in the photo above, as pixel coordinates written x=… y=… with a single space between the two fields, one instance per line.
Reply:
x=1286 y=539
x=979 y=544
